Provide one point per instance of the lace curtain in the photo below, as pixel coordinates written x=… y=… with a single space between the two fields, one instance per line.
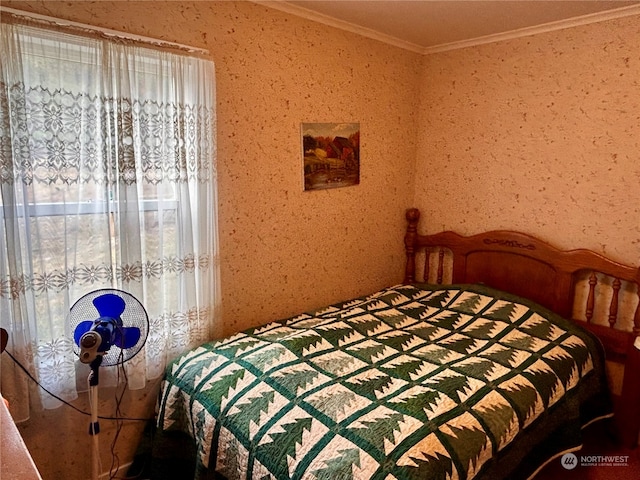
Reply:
x=107 y=180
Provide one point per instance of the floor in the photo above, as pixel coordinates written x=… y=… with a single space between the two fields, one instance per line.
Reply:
x=622 y=464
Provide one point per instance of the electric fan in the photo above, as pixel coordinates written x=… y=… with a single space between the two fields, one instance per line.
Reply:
x=109 y=327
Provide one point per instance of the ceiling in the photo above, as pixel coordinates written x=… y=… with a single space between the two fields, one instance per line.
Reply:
x=427 y=26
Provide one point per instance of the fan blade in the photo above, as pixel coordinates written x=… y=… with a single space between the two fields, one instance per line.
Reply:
x=109 y=305
x=81 y=329
x=126 y=337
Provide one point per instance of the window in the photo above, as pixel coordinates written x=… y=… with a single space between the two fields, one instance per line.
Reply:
x=107 y=180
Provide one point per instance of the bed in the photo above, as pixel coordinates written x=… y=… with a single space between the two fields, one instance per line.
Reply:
x=471 y=368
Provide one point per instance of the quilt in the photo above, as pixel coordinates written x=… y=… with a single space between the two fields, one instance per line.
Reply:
x=413 y=382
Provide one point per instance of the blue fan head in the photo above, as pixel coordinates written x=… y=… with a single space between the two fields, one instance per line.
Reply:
x=109 y=324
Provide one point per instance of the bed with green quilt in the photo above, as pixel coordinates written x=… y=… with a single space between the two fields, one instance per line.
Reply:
x=416 y=381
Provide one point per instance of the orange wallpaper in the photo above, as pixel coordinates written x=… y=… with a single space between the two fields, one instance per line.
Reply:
x=538 y=134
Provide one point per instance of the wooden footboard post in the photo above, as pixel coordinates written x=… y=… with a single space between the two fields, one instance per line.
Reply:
x=629 y=419
x=629 y=411
x=412 y=215
x=636 y=317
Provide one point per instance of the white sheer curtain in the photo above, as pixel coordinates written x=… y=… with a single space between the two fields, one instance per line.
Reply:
x=107 y=180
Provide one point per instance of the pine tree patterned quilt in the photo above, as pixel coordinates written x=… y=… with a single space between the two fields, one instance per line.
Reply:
x=413 y=382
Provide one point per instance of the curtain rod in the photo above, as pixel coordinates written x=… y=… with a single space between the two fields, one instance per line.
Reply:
x=105 y=31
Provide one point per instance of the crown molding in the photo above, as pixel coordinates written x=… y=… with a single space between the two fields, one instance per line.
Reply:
x=314 y=16
x=317 y=17
x=538 y=29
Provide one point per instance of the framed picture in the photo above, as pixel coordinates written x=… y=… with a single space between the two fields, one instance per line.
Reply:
x=331 y=155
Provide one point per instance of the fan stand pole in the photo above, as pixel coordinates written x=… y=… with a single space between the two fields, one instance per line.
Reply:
x=94 y=427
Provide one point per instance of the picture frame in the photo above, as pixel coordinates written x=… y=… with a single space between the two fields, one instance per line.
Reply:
x=330 y=154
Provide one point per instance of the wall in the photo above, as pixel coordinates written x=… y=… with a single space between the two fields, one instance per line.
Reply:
x=538 y=134
x=282 y=250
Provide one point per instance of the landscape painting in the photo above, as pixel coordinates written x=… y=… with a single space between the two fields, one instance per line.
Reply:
x=331 y=153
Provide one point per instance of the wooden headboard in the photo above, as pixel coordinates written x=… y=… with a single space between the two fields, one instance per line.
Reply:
x=526 y=266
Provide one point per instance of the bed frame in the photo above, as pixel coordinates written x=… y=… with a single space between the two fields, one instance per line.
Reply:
x=526 y=266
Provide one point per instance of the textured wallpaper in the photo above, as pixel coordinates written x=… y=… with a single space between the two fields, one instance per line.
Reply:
x=538 y=134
